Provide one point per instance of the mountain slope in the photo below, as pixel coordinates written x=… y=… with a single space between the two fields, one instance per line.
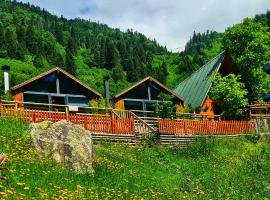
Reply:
x=89 y=50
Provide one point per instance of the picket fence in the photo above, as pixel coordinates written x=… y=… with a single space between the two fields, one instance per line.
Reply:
x=204 y=127
x=100 y=123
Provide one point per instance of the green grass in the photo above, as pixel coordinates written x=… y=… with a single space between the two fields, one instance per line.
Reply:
x=224 y=169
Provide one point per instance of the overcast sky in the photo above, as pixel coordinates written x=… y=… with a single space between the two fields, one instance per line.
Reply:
x=170 y=22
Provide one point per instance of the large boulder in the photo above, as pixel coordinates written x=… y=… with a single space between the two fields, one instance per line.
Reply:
x=66 y=143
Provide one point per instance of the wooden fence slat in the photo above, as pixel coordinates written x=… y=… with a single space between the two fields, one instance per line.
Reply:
x=204 y=127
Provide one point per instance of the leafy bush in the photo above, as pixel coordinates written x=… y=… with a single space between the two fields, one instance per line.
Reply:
x=230 y=94
x=165 y=108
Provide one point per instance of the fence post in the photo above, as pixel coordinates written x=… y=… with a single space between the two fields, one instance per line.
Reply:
x=185 y=128
x=67 y=114
x=85 y=122
x=34 y=117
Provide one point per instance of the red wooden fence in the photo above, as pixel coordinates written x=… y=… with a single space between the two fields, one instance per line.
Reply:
x=204 y=127
x=100 y=123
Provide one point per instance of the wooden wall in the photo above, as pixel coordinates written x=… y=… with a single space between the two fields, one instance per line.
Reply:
x=208 y=108
x=17 y=97
x=119 y=104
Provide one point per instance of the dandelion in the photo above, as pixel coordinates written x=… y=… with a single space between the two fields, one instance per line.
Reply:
x=10 y=191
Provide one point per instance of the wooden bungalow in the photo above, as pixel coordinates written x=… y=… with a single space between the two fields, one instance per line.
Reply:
x=55 y=86
x=143 y=95
x=196 y=87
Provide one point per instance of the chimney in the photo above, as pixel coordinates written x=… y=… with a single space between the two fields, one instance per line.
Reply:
x=106 y=89
x=6 y=70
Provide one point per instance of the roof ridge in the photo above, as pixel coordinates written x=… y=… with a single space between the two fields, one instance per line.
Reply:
x=201 y=68
x=151 y=79
x=195 y=87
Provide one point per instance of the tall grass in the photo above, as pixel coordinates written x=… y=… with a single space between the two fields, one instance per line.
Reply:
x=210 y=169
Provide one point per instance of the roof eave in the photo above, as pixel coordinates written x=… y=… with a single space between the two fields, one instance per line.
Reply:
x=144 y=80
x=16 y=87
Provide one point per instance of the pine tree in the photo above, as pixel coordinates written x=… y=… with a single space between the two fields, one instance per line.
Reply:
x=102 y=51
x=111 y=55
x=31 y=39
x=59 y=34
x=96 y=57
x=2 y=37
x=71 y=45
x=162 y=73
x=133 y=74
x=70 y=64
x=117 y=71
x=11 y=42
x=38 y=61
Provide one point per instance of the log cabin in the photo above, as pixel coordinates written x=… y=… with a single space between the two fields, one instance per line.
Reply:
x=143 y=95
x=55 y=86
x=195 y=89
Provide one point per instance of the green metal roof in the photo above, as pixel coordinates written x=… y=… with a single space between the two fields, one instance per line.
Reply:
x=195 y=88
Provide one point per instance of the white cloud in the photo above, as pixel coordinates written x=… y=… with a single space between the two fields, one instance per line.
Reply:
x=170 y=22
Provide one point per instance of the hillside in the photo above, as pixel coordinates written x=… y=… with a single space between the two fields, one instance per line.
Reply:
x=223 y=169
x=88 y=50
x=33 y=41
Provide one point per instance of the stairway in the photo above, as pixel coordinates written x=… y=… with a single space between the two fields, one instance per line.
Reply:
x=179 y=140
x=130 y=139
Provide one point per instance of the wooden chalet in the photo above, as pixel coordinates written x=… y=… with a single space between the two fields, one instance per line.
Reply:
x=195 y=89
x=143 y=95
x=55 y=86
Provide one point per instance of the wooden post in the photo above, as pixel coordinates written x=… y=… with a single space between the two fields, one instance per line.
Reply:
x=185 y=128
x=67 y=114
x=85 y=122
x=34 y=117
x=15 y=109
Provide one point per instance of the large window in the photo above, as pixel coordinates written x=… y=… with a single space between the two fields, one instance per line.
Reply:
x=35 y=98
x=77 y=101
x=133 y=105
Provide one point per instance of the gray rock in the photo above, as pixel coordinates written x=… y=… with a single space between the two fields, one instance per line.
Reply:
x=264 y=137
x=66 y=143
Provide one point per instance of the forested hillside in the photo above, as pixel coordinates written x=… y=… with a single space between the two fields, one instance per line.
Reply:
x=90 y=50
x=33 y=41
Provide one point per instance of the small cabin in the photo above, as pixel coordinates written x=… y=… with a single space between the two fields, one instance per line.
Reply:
x=196 y=87
x=144 y=95
x=55 y=86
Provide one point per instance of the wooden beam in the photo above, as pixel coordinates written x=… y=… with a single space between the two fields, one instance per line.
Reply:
x=144 y=106
x=144 y=100
x=50 y=102
x=149 y=92
x=55 y=94
x=57 y=86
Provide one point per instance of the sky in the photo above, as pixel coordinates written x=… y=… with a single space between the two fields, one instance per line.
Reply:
x=170 y=22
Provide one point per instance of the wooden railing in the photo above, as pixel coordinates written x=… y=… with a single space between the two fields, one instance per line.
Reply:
x=260 y=111
x=100 y=123
x=144 y=130
x=108 y=120
x=204 y=127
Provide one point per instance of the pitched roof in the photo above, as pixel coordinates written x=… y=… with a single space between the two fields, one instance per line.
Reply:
x=56 y=69
x=195 y=88
x=151 y=79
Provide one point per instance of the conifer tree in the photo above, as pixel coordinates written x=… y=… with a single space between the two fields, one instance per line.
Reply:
x=70 y=65
x=2 y=37
x=11 y=42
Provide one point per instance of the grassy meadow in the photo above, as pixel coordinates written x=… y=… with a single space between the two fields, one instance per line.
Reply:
x=224 y=169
